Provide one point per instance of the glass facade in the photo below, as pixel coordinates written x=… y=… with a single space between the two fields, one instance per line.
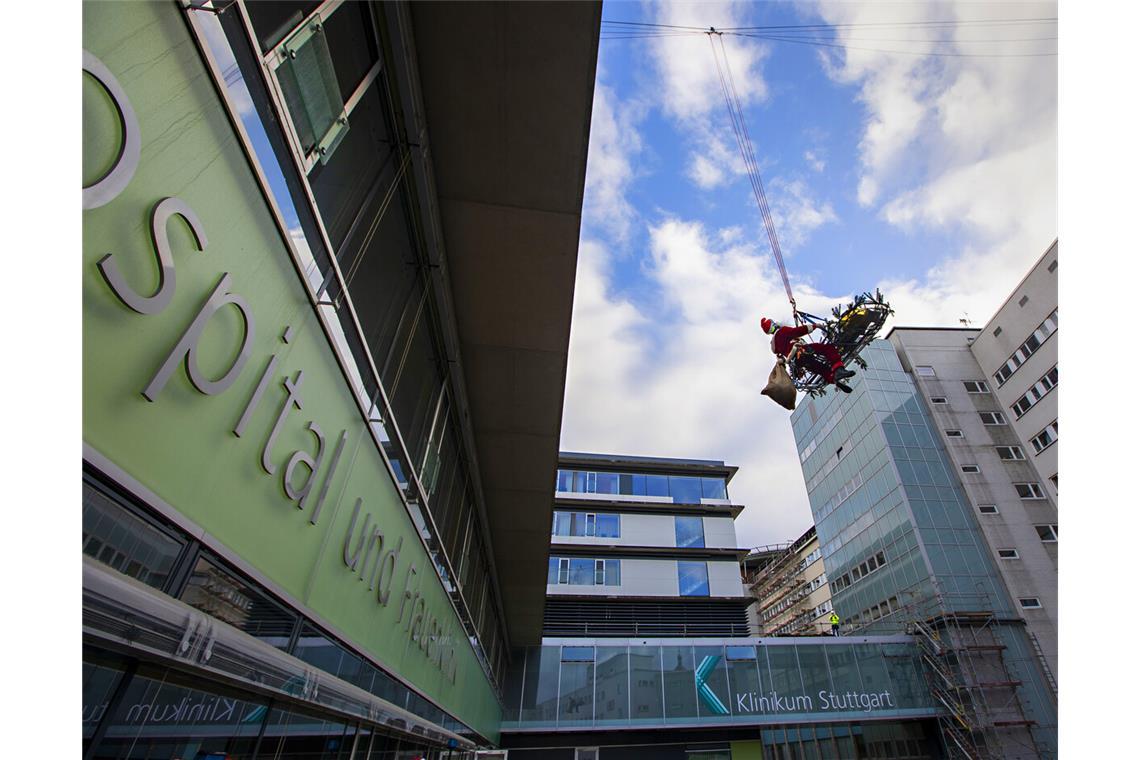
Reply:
x=690 y=531
x=898 y=534
x=351 y=205
x=627 y=684
x=586 y=524
x=578 y=571
x=133 y=710
x=693 y=578
x=681 y=489
x=223 y=593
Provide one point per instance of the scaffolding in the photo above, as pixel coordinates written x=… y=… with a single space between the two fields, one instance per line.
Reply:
x=968 y=670
x=779 y=587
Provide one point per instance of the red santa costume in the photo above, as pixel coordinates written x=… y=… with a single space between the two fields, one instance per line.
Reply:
x=786 y=342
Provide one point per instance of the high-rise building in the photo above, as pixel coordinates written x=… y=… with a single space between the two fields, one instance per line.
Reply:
x=328 y=266
x=990 y=394
x=790 y=587
x=904 y=551
x=646 y=651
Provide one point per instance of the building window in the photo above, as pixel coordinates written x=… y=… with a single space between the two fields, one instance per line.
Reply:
x=1023 y=300
x=1053 y=479
x=988 y=509
x=953 y=433
x=1053 y=266
x=585 y=753
x=1010 y=453
x=1027 y=349
x=1029 y=490
x=1008 y=554
x=693 y=578
x=992 y=418
x=997 y=331
x=1047 y=533
x=690 y=531
x=976 y=386
x=924 y=371
x=577 y=654
x=938 y=399
x=1045 y=438
x=1042 y=387
x=1029 y=603
x=970 y=468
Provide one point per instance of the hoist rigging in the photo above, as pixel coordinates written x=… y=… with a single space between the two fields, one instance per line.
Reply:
x=801 y=365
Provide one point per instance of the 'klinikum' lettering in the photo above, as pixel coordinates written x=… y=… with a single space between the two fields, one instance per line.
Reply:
x=773 y=702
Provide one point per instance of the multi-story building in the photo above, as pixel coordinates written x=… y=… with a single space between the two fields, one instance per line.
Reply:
x=904 y=551
x=790 y=587
x=643 y=546
x=328 y=266
x=646 y=653
x=990 y=393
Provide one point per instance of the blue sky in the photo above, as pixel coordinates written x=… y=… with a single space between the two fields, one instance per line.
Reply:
x=898 y=158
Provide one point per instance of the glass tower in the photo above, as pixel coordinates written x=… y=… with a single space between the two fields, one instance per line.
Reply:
x=900 y=541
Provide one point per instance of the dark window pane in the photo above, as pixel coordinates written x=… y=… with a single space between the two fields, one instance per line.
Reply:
x=639 y=485
x=124 y=541
x=565 y=480
x=552 y=571
x=273 y=19
x=316 y=649
x=161 y=718
x=99 y=682
x=352 y=43
x=625 y=484
x=294 y=735
x=227 y=597
x=416 y=386
x=540 y=686
x=356 y=180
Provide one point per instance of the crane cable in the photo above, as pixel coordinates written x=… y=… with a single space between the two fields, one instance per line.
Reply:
x=744 y=142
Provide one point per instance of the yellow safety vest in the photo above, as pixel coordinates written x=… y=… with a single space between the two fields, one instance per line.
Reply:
x=834 y=619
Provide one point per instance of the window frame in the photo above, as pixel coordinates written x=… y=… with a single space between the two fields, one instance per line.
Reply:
x=1034 y=602
x=1016 y=453
x=1037 y=493
x=975 y=471
x=918 y=370
x=998 y=416
x=992 y=511
x=981 y=386
x=1008 y=553
x=1051 y=529
x=940 y=400
x=954 y=434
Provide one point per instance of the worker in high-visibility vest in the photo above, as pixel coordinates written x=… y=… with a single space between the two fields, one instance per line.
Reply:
x=834 y=624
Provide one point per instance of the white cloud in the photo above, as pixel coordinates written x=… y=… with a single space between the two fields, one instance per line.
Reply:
x=614 y=144
x=816 y=163
x=955 y=144
x=795 y=213
x=688 y=86
x=681 y=374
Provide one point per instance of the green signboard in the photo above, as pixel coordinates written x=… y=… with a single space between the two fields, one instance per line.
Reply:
x=207 y=375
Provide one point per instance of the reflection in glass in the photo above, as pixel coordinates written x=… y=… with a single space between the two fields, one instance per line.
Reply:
x=609 y=526
x=158 y=718
x=576 y=692
x=742 y=679
x=645 y=684
x=680 y=686
x=656 y=485
x=118 y=538
x=540 y=686
x=581 y=572
x=611 y=692
x=685 y=489
x=227 y=597
x=607 y=483
x=690 y=531
x=813 y=670
x=693 y=578
x=99 y=682
x=713 y=488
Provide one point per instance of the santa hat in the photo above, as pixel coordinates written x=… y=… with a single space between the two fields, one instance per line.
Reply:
x=766 y=325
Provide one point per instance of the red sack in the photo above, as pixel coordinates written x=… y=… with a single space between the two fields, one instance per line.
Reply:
x=780 y=387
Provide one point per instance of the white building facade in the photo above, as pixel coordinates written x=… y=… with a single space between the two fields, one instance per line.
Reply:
x=992 y=395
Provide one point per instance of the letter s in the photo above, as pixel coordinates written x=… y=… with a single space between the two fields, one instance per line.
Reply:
x=154 y=304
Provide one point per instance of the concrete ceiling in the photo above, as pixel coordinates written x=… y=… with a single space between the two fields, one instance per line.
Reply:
x=507 y=91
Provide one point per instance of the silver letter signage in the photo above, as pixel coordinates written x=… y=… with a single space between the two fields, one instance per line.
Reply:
x=108 y=187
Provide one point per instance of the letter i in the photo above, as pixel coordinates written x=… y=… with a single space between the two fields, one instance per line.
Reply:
x=262 y=384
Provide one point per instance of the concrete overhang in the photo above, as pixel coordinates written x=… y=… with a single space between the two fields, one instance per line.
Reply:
x=507 y=91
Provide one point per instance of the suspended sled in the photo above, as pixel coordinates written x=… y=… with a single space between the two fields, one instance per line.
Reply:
x=850 y=330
